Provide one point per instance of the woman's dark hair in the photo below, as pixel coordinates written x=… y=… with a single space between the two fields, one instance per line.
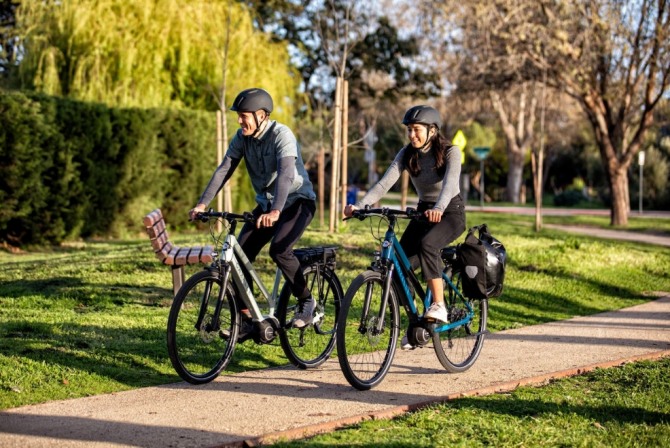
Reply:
x=439 y=143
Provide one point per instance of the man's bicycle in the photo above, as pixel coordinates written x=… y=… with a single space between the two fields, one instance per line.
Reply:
x=206 y=322
x=369 y=321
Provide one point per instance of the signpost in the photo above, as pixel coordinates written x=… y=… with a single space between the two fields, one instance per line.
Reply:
x=640 y=161
x=482 y=153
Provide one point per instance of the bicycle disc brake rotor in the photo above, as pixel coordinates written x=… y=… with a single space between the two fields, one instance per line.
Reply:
x=206 y=333
x=373 y=336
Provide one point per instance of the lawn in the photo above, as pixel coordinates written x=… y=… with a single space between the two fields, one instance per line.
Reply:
x=89 y=317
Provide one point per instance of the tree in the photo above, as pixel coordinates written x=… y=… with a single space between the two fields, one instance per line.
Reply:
x=8 y=47
x=611 y=56
x=149 y=53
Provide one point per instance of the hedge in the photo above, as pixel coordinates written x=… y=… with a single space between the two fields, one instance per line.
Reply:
x=71 y=170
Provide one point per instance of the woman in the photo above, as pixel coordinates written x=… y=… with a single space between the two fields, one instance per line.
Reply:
x=434 y=166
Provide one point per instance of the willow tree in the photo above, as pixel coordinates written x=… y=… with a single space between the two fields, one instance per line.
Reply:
x=150 y=53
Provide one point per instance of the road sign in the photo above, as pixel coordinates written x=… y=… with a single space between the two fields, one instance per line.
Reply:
x=460 y=141
x=482 y=152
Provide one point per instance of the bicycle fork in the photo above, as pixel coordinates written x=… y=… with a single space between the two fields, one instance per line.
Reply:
x=379 y=324
x=224 y=271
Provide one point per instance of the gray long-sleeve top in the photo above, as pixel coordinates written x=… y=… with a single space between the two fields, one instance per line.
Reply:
x=275 y=167
x=428 y=184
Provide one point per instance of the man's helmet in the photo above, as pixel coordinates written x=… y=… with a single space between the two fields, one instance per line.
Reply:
x=422 y=115
x=251 y=100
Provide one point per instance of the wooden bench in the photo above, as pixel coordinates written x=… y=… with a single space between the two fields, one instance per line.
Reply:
x=171 y=255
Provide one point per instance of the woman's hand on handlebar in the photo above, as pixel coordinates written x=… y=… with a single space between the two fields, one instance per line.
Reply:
x=349 y=210
x=433 y=215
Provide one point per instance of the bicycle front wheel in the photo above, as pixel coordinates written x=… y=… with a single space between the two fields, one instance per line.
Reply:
x=199 y=347
x=312 y=345
x=366 y=338
x=458 y=348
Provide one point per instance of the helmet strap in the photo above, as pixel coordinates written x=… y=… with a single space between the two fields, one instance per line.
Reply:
x=429 y=140
x=259 y=125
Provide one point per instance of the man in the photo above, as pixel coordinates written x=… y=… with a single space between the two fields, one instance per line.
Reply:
x=284 y=194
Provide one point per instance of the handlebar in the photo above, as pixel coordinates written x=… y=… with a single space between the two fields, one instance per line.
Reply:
x=211 y=213
x=409 y=212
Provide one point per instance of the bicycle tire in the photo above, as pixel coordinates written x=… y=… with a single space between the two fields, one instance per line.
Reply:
x=365 y=357
x=312 y=345
x=458 y=349
x=198 y=353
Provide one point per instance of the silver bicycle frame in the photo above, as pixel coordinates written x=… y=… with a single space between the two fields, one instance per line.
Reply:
x=233 y=254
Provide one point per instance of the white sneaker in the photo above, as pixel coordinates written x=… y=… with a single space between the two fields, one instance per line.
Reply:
x=437 y=311
x=303 y=314
x=404 y=344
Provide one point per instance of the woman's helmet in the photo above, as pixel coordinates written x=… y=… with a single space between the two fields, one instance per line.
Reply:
x=425 y=115
x=252 y=100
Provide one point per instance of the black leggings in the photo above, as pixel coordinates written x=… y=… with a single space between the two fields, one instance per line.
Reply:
x=284 y=234
x=423 y=241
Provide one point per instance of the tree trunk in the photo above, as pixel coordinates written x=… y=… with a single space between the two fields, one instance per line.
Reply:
x=514 y=178
x=619 y=191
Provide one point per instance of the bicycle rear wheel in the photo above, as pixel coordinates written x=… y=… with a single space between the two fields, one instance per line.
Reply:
x=199 y=351
x=458 y=349
x=312 y=345
x=365 y=354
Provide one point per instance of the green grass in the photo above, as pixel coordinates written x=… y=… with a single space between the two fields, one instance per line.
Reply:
x=625 y=406
x=90 y=318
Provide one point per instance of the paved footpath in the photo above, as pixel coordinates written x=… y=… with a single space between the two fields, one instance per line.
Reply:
x=251 y=408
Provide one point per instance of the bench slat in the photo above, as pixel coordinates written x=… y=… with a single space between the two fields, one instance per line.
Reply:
x=172 y=255
x=153 y=217
x=164 y=252
x=156 y=229
x=170 y=258
x=181 y=257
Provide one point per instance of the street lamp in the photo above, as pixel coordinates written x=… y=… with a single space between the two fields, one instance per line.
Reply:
x=640 y=161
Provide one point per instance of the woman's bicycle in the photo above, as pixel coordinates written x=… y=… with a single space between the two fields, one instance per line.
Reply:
x=369 y=321
x=206 y=322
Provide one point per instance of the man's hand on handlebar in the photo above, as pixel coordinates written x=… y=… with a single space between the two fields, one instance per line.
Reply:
x=193 y=213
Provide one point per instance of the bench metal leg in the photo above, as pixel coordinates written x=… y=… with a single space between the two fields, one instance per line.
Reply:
x=177 y=278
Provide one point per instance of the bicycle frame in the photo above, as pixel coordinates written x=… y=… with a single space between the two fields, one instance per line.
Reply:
x=394 y=259
x=235 y=262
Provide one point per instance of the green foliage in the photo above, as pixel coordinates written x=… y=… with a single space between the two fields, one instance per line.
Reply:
x=72 y=169
x=150 y=53
x=569 y=198
x=479 y=135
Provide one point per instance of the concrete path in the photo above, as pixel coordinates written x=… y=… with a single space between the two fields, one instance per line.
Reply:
x=255 y=407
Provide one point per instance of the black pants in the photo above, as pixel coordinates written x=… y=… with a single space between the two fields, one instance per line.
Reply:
x=423 y=241
x=284 y=234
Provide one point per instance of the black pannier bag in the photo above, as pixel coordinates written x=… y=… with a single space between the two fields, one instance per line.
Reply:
x=483 y=259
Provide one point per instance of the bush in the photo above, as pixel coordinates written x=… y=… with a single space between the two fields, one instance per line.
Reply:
x=569 y=198
x=70 y=169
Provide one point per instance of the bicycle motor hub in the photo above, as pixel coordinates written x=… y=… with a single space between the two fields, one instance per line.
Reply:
x=267 y=330
x=418 y=336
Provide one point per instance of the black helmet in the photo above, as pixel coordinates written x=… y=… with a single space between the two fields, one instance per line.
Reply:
x=251 y=100
x=422 y=115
